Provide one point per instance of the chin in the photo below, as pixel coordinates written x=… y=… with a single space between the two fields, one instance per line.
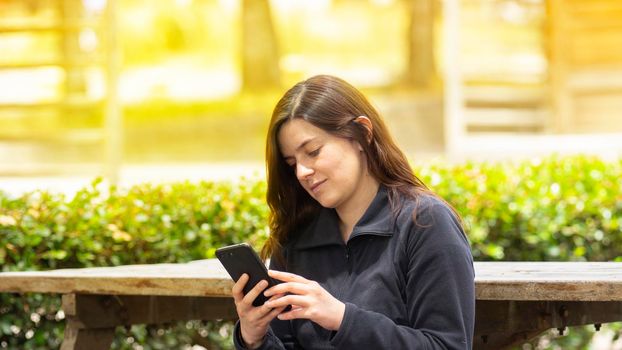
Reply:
x=330 y=203
x=326 y=199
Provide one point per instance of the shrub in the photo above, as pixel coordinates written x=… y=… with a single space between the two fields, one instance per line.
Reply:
x=556 y=209
x=109 y=226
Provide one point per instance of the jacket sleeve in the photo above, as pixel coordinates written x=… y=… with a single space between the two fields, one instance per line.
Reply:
x=271 y=341
x=279 y=336
x=440 y=293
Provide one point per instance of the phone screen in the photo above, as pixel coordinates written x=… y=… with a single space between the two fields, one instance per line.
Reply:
x=241 y=258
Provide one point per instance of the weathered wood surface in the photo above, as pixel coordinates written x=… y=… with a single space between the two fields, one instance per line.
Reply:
x=109 y=311
x=503 y=323
x=197 y=278
x=544 y=281
x=548 y=281
x=515 y=300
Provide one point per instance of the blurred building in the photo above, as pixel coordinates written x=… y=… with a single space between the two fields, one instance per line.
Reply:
x=456 y=78
x=535 y=77
x=59 y=67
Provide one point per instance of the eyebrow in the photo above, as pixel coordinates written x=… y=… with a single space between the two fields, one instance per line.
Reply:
x=304 y=143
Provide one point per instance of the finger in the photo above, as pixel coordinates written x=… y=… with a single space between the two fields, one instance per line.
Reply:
x=291 y=299
x=272 y=314
x=288 y=287
x=276 y=296
x=286 y=276
x=253 y=293
x=263 y=311
x=294 y=313
x=238 y=287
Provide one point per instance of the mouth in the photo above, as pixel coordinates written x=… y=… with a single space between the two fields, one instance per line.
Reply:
x=315 y=187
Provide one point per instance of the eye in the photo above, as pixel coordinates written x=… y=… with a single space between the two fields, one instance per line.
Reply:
x=315 y=152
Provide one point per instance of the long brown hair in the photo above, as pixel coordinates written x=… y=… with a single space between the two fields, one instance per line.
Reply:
x=331 y=104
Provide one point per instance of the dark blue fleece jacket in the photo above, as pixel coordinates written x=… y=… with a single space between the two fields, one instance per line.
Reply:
x=406 y=284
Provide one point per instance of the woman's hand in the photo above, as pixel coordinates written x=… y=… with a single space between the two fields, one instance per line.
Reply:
x=307 y=298
x=254 y=321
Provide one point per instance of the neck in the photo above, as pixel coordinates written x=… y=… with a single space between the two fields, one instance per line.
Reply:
x=351 y=212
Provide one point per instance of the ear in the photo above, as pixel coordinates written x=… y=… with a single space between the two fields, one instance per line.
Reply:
x=366 y=123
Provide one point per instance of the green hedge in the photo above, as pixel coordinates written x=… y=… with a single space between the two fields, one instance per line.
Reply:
x=559 y=208
x=556 y=209
x=102 y=226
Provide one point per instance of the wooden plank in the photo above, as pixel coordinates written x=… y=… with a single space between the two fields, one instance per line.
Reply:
x=505 y=96
x=601 y=80
x=500 y=316
x=536 y=271
x=77 y=136
x=91 y=319
x=599 y=111
x=503 y=323
x=596 y=23
x=505 y=117
x=202 y=278
x=86 y=339
x=29 y=169
x=504 y=146
x=501 y=341
x=109 y=311
x=580 y=281
x=601 y=6
x=596 y=50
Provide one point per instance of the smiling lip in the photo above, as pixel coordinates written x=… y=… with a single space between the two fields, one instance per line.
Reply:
x=316 y=185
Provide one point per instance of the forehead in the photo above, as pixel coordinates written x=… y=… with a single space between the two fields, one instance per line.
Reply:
x=295 y=133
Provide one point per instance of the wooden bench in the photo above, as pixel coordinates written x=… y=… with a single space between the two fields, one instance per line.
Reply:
x=515 y=300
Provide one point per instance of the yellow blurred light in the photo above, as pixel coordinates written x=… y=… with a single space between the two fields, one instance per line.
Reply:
x=287 y=6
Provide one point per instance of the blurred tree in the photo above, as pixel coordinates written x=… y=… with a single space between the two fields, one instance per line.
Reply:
x=71 y=12
x=174 y=37
x=260 y=56
x=421 y=70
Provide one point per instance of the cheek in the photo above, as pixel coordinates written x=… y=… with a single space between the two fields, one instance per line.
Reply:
x=332 y=161
x=343 y=164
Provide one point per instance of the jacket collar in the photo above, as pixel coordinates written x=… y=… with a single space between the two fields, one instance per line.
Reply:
x=324 y=230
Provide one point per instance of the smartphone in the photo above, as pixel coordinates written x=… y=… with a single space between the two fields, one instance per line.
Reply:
x=241 y=258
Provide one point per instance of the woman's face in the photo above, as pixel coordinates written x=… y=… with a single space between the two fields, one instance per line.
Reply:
x=330 y=168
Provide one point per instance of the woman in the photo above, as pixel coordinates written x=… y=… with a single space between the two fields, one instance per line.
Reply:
x=369 y=257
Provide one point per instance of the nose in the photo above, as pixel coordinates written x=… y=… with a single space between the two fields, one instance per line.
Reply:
x=302 y=171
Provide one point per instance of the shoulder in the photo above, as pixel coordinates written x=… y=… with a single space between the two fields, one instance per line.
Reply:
x=428 y=220
x=425 y=208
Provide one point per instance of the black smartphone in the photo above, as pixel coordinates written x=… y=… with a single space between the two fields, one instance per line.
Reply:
x=241 y=258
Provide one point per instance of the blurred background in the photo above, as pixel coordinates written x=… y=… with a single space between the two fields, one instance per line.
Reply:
x=151 y=90
x=162 y=91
